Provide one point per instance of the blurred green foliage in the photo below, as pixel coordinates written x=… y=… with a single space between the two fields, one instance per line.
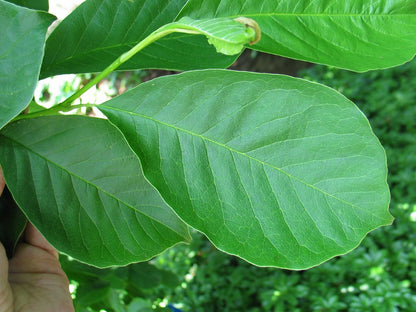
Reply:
x=123 y=289
x=379 y=275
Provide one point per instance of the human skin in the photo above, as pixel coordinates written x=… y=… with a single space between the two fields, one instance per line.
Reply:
x=33 y=279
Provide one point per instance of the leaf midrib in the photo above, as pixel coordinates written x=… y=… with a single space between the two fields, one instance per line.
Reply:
x=90 y=183
x=322 y=15
x=237 y=152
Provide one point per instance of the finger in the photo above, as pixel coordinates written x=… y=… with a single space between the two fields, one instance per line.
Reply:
x=35 y=238
x=4 y=268
x=35 y=255
x=6 y=299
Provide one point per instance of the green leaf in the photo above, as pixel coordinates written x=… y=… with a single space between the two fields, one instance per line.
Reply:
x=146 y=276
x=88 y=295
x=79 y=183
x=131 y=279
x=353 y=35
x=141 y=275
x=226 y=35
x=42 y=5
x=114 y=300
x=279 y=171
x=139 y=304
x=21 y=52
x=81 y=272
x=34 y=107
x=99 y=31
x=12 y=222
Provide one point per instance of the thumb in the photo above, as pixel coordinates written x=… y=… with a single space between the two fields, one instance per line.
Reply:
x=6 y=298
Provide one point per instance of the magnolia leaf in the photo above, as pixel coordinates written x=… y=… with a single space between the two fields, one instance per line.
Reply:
x=78 y=182
x=31 y=4
x=21 y=52
x=98 y=31
x=355 y=35
x=279 y=171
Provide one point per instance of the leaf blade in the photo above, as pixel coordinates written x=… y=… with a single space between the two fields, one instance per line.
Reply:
x=349 y=35
x=97 y=196
x=36 y=5
x=21 y=52
x=99 y=31
x=239 y=157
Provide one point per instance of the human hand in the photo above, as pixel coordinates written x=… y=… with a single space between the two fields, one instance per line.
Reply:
x=33 y=279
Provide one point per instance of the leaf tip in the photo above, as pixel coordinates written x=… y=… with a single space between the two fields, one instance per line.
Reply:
x=253 y=29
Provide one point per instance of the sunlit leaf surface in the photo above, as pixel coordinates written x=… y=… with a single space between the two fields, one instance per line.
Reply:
x=356 y=35
x=22 y=41
x=279 y=171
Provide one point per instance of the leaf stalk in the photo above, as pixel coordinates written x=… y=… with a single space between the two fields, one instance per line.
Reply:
x=185 y=25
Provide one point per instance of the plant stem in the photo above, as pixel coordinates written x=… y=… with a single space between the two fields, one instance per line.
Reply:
x=52 y=111
x=161 y=32
x=184 y=27
x=66 y=105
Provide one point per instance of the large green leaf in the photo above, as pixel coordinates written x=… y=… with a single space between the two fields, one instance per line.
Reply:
x=21 y=50
x=79 y=183
x=356 y=35
x=99 y=31
x=277 y=170
x=32 y=4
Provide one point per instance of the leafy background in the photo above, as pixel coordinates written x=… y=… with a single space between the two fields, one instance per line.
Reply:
x=380 y=275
